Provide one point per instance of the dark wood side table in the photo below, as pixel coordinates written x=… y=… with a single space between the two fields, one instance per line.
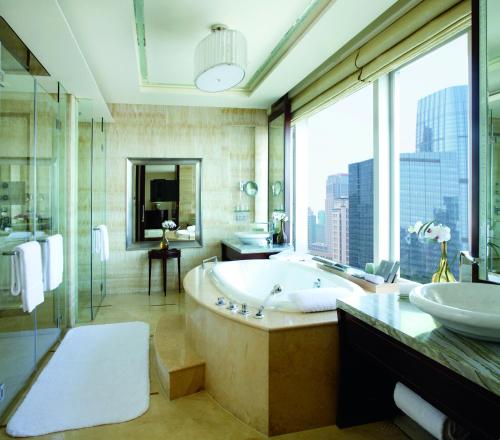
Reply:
x=164 y=255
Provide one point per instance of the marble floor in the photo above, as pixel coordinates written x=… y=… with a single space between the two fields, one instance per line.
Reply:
x=197 y=416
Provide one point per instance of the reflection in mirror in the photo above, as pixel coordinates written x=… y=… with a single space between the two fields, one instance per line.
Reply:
x=161 y=190
x=276 y=164
x=490 y=129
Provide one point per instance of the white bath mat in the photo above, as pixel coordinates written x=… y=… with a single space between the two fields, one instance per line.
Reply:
x=98 y=375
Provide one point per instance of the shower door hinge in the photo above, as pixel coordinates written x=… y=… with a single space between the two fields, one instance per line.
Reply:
x=58 y=124
x=102 y=287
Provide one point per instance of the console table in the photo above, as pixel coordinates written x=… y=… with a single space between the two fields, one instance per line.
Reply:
x=164 y=255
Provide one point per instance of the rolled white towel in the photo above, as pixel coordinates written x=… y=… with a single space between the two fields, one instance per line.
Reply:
x=421 y=411
x=318 y=300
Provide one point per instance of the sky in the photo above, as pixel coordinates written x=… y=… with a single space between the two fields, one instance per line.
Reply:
x=343 y=133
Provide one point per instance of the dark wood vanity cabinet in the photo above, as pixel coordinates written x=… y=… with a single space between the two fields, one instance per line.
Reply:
x=371 y=363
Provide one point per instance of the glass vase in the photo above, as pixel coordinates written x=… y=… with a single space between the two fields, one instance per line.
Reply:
x=443 y=273
x=164 y=240
x=281 y=238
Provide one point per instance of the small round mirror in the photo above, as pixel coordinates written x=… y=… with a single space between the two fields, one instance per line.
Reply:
x=250 y=188
x=276 y=188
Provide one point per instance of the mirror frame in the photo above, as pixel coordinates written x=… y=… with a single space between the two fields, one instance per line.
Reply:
x=130 y=244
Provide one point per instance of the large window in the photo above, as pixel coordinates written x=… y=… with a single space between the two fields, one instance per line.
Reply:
x=334 y=181
x=358 y=189
x=431 y=135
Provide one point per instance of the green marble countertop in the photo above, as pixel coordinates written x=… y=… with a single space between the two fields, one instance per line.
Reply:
x=476 y=360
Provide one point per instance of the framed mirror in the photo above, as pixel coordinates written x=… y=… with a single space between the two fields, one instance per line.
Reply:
x=159 y=190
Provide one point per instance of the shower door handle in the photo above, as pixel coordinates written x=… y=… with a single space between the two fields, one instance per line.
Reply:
x=143 y=213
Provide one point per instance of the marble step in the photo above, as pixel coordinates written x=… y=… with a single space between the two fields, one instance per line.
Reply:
x=181 y=371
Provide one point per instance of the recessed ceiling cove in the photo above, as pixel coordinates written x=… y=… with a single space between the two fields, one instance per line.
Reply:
x=169 y=31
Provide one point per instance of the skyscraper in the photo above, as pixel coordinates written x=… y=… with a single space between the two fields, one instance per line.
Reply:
x=337 y=211
x=361 y=213
x=434 y=179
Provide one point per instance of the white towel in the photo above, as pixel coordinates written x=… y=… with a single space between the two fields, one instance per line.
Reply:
x=53 y=262
x=421 y=411
x=27 y=271
x=318 y=300
x=290 y=255
x=101 y=242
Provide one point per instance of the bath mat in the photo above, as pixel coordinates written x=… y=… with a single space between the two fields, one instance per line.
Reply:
x=98 y=375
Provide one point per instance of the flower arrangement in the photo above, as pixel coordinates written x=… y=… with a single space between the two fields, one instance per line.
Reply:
x=169 y=224
x=439 y=234
x=430 y=231
x=280 y=216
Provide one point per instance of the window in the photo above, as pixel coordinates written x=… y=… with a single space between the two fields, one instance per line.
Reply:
x=338 y=176
x=431 y=136
x=334 y=181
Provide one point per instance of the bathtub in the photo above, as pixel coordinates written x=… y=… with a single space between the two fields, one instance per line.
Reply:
x=250 y=281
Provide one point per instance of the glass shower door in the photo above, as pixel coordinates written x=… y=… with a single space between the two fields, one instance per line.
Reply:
x=98 y=215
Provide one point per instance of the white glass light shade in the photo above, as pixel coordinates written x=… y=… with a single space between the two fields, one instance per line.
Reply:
x=220 y=60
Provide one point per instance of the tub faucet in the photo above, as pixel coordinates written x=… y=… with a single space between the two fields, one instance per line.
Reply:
x=274 y=291
x=317 y=283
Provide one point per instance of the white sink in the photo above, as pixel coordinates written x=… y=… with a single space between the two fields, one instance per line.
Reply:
x=471 y=309
x=253 y=238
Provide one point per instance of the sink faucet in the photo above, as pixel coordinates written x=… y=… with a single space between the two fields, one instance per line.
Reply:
x=317 y=283
x=465 y=264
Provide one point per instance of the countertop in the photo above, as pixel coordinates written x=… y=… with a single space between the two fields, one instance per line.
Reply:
x=476 y=360
x=254 y=249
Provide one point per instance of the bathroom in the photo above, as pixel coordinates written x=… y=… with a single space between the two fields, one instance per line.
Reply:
x=236 y=242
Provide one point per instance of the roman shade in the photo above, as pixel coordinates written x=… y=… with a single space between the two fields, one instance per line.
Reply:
x=425 y=26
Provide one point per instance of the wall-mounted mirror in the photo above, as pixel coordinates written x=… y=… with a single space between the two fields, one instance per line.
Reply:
x=159 y=190
x=276 y=164
x=489 y=132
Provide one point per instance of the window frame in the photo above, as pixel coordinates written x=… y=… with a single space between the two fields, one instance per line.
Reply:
x=386 y=172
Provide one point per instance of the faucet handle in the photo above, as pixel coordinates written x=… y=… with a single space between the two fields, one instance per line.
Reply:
x=260 y=313
x=244 y=310
x=220 y=301
x=232 y=307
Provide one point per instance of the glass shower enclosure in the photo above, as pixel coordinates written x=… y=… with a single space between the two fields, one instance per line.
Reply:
x=91 y=211
x=33 y=131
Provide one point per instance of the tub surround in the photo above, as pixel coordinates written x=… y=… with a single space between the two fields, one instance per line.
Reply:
x=475 y=360
x=277 y=374
x=385 y=339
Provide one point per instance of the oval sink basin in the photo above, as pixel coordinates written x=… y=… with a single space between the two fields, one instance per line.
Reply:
x=471 y=309
x=254 y=238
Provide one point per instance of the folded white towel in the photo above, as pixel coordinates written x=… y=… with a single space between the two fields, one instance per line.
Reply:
x=421 y=411
x=27 y=271
x=290 y=255
x=191 y=228
x=53 y=262
x=101 y=242
x=318 y=300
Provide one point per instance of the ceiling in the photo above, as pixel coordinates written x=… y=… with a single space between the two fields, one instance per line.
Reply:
x=287 y=40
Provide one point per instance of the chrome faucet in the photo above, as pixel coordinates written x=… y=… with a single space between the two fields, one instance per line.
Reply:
x=274 y=291
x=317 y=283
x=465 y=259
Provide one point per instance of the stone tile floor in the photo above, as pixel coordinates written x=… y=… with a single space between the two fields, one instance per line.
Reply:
x=197 y=416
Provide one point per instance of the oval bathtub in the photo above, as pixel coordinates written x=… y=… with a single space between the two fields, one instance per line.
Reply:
x=251 y=281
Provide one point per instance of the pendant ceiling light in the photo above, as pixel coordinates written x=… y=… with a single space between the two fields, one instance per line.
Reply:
x=220 y=60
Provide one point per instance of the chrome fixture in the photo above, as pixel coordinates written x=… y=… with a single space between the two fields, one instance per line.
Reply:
x=274 y=291
x=209 y=260
x=220 y=59
x=220 y=301
x=465 y=263
x=244 y=310
x=232 y=307
x=317 y=283
x=260 y=313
